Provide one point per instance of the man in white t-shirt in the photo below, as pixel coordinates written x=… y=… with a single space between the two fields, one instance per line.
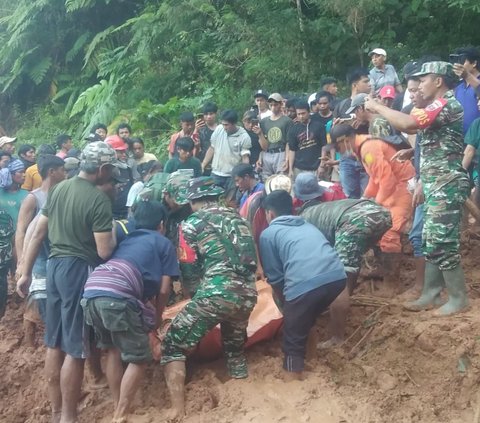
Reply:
x=230 y=145
x=261 y=97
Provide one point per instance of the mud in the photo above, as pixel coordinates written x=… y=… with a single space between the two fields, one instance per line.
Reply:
x=396 y=366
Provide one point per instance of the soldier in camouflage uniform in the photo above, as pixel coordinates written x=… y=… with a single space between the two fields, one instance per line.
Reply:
x=352 y=227
x=219 y=241
x=445 y=183
x=175 y=196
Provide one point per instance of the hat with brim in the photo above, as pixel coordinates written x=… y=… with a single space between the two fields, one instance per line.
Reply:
x=379 y=51
x=176 y=185
x=437 y=68
x=261 y=93
x=275 y=97
x=99 y=154
x=306 y=187
x=276 y=182
x=6 y=140
x=358 y=100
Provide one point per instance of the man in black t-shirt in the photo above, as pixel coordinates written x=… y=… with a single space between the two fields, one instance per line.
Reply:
x=305 y=140
x=205 y=125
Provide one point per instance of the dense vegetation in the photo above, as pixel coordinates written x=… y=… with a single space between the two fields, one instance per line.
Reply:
x=66 y=64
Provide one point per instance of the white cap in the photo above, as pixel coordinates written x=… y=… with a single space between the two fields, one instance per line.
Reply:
x=378 y=51
x=313 y=97
x=6 y=140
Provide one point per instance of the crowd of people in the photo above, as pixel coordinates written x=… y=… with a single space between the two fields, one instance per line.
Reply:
x=101 y=239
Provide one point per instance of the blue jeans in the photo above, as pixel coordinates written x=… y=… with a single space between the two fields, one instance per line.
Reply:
x=353 y=177
x=415 y=235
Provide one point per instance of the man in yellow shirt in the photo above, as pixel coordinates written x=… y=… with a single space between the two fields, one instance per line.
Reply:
x=33 y=180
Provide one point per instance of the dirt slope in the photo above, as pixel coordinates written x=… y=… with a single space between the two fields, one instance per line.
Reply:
x=396 y=367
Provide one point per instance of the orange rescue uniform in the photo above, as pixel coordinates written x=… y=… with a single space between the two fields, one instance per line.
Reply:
x=387 y=185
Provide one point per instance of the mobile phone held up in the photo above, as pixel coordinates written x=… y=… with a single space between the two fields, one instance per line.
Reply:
x=456 y=59
x=255 y=122
x=199 y=116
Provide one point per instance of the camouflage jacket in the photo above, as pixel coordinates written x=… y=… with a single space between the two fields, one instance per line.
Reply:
x=441 y=140
x=219 y=242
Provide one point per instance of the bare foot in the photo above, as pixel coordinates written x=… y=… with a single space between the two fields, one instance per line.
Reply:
x=175 y=415
x=97 y=384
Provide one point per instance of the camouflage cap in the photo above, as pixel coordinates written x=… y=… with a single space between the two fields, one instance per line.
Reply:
x=98 y=153
x=203 y=186
x=154 y=188
x=177 y=185
x=438 y=68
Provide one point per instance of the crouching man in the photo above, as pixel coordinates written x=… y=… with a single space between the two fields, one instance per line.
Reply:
x=219 y=241
x=125 y=297
x=304 y=270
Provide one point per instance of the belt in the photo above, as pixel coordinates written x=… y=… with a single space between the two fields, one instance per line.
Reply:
x=276 y=150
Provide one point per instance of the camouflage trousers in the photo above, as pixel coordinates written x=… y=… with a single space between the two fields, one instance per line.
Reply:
x=443 y=210
x=363 y=226
x=200 y=316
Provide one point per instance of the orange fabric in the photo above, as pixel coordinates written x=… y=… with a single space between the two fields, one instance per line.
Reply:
x=33 y=180
x=425 y=117
x=264 y=323
x=387 y=185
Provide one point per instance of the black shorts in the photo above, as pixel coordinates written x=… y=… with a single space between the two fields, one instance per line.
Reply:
x=299 y=317
x=65 y=328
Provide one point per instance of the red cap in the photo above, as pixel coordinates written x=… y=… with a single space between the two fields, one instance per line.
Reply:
x=388 y=91
x=116 y=142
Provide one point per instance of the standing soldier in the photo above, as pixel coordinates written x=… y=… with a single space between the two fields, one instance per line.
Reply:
x=445 y=183
x=221 y=243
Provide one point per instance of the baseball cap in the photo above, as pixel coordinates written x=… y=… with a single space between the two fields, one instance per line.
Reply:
x=378 y=51
x=6 y=140
x=306 y=187
x=438 y=68
x=275 y=97
x=177 y=185
x=260 y=93
x=388 y=91
x=116 y=142
x=409 y=69
x=358 y=100
x=98 y=153
x=204 y=186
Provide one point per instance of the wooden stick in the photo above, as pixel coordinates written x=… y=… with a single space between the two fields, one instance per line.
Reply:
x=411 y=379
x=359 y=343
x=377 y=311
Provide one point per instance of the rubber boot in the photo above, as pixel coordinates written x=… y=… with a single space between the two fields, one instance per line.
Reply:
x=457 y=292
x=432 y=288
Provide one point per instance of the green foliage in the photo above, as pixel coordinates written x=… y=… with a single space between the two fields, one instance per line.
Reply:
x=87 y=61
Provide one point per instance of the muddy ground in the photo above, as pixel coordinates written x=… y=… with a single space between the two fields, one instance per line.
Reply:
x=396 y=366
